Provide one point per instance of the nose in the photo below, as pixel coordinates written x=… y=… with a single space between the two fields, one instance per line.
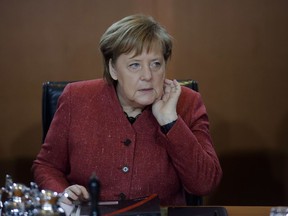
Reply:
x=146 y=73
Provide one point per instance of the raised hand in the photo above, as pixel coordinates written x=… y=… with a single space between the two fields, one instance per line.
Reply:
x=164 y=108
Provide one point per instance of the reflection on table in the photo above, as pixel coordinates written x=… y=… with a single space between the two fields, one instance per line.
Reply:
x=231 y=210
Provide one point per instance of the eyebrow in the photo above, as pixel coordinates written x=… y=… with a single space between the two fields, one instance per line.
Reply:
x=156 y=58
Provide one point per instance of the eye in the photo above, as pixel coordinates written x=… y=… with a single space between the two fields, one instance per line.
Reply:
x=134 y=66
x=155 y=65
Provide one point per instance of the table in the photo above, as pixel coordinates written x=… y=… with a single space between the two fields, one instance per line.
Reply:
x=248 y=210
x=232 y=210
x=239 y=210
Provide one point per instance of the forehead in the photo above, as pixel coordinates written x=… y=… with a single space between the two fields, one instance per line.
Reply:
x=148 y=49
x=144 y=56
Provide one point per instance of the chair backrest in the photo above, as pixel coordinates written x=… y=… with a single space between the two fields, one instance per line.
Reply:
x=50 y=95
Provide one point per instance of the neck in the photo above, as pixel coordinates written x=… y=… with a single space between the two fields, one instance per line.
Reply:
x=128 y=108
x=131 y=111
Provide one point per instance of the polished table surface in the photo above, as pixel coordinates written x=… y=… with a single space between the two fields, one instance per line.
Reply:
x=231 y=210
x=239 y=210
x=248 y=210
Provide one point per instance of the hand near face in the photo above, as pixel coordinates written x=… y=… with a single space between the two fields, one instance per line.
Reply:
x=74 y=193
x=164 y=108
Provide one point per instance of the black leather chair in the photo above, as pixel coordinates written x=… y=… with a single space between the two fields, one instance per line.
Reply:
x=50 y=95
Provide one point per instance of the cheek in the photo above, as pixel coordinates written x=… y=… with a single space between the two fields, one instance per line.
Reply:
x=159 y=88
x=160 y=91
x=160 y=81
x=130 y=88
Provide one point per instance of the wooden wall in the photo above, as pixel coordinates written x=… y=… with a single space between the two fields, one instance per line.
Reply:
x=237 y=50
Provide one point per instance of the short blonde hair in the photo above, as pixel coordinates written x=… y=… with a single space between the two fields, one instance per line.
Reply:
x=132 y=33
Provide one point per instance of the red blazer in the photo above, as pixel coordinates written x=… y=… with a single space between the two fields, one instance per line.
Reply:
x=90 y=133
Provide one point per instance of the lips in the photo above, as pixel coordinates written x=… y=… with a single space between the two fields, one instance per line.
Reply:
x=146 y=89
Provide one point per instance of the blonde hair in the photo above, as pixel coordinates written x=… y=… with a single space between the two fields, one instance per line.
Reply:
x=132 y=33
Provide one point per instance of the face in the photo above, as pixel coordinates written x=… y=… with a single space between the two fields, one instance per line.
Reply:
x=140 y=78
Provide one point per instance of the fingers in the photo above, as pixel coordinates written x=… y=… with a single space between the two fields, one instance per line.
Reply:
x=81 y=191
x=172 y=83
x=75 y=193
x=171 y=86
x=164 y=109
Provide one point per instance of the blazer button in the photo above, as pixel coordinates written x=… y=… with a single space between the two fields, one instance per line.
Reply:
x=122 y=196
x=125 y=169
x=127 y=142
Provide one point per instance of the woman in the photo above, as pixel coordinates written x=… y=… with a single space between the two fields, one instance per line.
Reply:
x=138 y=131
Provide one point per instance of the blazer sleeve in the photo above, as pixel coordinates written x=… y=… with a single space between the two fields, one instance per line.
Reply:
x=52 y=163
x=190 y=147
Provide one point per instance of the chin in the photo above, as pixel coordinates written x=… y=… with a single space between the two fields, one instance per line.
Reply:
x=146 y=102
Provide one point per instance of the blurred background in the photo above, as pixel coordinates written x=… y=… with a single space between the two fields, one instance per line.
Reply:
x=237 y=50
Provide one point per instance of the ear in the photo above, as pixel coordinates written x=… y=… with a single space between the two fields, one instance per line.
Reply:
x=112 y=71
